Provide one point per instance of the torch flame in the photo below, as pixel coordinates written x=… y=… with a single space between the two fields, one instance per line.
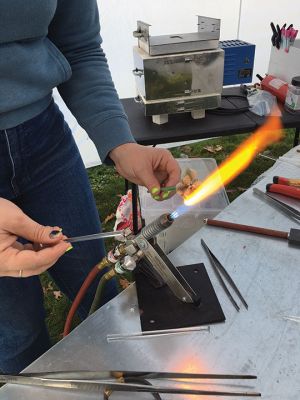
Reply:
x=238 y=161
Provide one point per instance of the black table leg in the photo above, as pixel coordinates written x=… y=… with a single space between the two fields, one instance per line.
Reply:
x=296 y=137
x=126 y=186
x=135 y=208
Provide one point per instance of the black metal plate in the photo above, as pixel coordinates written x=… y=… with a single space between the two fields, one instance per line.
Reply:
x=160 y=309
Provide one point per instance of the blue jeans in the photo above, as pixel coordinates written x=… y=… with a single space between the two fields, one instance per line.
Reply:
x=42 y=172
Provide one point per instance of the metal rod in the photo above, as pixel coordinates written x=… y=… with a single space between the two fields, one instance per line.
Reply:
x=154 y=334
x=95 y=236
x=281 y=159
x=95 y=386
x=291 y=318
x=105 y=375
x=247 y=228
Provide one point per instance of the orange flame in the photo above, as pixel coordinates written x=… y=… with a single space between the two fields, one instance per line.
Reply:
x=238 y=161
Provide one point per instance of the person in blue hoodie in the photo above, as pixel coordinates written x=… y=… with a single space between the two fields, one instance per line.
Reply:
x=46 y=44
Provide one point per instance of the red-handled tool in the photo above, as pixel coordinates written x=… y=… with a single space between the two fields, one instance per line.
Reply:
x=285 y=190
x=286 y=181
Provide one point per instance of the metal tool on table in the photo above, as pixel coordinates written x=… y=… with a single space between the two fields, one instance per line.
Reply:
x=285 y=208
x=179 y=73
x=293 y=318
x=283 y=159
x=123 y=381
x=219 y=271
x=154 y=334
x=293 y=237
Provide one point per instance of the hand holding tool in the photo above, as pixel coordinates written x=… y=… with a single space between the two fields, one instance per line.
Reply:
x=220 y=270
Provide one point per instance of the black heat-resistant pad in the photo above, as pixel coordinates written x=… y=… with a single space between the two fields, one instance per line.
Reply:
x=160 y=309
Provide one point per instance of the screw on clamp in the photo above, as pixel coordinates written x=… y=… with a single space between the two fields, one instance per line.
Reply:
x=142 y=243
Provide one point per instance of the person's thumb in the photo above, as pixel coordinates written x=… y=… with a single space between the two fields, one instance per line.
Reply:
x=27 y=228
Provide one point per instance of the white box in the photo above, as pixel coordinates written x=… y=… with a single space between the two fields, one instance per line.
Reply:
x=285 y=65
x=192 y=220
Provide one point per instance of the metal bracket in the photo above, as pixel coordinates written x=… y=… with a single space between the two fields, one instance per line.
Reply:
x=163 y=266
x=143 y=35
x=207 y=24
x=207 y=37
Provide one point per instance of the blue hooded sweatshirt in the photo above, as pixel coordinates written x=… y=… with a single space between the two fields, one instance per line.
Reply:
x=56 y=43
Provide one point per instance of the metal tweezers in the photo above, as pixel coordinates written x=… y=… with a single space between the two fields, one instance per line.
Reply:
x=125 y=381
x=286 y=209
x=220 y=270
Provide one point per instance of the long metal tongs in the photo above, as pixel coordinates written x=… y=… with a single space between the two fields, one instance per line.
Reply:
x=113 y=380
x=286 y=209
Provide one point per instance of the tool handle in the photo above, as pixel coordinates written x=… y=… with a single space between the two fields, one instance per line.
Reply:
x=285 y=190
x=286 y=181
x=247 y=228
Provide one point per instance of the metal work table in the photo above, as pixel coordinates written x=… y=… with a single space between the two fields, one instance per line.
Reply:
x=258 y=341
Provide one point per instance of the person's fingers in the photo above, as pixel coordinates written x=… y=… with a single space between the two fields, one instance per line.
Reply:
x=36 y=261
x=20 y=273
x=173 y=170
x=19 y=246
x=29 y=246
x=25 y=227
x=148 y=178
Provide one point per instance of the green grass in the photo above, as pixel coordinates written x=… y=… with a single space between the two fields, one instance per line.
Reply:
x=107 y=186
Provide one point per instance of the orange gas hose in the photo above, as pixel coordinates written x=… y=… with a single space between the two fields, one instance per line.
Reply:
x=80 y=295
x=82 y=291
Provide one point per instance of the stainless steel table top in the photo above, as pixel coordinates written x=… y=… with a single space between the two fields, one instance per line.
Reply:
x=258 y=341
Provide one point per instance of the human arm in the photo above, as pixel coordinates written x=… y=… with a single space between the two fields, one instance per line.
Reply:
x=90 y=93
x=92 y=98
